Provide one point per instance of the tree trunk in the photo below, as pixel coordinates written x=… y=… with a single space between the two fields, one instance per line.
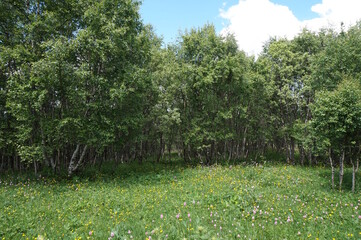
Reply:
x=332 y=168
x=160 y=147
x=292 y=151
x=354 y=171
x=353 y=176
x=2 y=162
x=342 y=158
x=73 y=166
x=302 y=153
x=35 y=169
x=170 y=151
x=184 y=152
x=244 y=143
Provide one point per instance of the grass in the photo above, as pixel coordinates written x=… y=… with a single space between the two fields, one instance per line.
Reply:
x=174 y=201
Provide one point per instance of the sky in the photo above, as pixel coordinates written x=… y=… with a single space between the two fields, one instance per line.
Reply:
x=252 y=22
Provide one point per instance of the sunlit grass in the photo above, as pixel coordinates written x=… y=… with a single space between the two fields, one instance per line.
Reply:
x=159 y=201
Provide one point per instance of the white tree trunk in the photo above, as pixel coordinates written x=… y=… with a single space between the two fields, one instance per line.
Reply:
x=332 y=169
x=74 y=165
x=342 y=158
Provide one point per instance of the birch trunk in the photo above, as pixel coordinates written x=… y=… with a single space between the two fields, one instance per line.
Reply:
x=353 y=176
x=244 y=143
x=342 y=158
x=332 y=169
x=74 y=165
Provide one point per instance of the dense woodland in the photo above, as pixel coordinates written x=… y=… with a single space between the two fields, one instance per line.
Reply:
x=83 y=82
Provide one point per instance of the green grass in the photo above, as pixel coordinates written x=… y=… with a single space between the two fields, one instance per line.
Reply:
x=246 y=202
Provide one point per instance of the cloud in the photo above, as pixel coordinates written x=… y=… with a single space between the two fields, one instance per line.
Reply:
x=254 y=21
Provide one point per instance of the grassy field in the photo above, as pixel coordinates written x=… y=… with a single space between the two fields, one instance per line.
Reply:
x=173 y=201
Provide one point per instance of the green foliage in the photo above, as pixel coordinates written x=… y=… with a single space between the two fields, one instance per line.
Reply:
x=336 y=117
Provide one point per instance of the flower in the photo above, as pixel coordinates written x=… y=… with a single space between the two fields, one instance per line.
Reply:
x=161 y=216
x=129 y=232
x=112 y=234
x=90 y=233
x=177 y=216
x=189 y=215
x=184 y=204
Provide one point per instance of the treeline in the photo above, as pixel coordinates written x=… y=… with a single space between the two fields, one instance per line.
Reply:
x=82 y=82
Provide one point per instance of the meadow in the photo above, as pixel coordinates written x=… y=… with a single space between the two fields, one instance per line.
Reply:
x=177 y=201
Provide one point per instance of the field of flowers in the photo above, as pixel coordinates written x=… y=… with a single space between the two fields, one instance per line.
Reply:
x=173 y=201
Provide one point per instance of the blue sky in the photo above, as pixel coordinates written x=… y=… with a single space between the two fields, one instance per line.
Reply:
x=170 y=16
x=251 y=21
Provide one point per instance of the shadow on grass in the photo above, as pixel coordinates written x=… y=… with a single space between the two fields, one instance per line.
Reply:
x=169 y=169
x=325 y=174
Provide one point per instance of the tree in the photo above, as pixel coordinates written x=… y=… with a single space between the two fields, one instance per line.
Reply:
x=336 y=124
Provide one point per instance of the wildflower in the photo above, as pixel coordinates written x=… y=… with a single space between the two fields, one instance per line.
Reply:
x=184 y=204
x=177 y=216
x=129 y=232
x=359 y=217
x=112 y=234
x=161 y=216
x=90 y=233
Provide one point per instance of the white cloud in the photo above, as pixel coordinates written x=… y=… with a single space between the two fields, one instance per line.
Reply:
x=254 y=21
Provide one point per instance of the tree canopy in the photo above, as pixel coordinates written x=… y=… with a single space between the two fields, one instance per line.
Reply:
x=82 y=82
